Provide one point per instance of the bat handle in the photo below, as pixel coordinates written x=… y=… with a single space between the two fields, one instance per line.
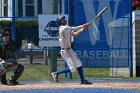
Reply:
x=91 y=21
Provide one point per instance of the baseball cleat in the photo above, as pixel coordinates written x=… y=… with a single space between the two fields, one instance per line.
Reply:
x=55 y=76
x=4 y=83
x=10 y=82
x=86 y=82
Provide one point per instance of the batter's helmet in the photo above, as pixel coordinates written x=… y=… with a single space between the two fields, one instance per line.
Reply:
x=59 y=19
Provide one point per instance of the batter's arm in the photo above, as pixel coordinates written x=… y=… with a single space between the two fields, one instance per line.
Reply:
x=84 y=26
x=77 y=32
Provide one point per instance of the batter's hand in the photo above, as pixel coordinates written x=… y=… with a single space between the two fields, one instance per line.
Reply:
x=86 y=25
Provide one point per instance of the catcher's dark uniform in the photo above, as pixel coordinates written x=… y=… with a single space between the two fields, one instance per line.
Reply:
x=8 y=62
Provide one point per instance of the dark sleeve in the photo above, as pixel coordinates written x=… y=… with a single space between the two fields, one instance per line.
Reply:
x=13 y=46
x=2 y=52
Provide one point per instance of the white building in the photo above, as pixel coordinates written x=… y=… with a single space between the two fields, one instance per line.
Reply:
x=31 y=8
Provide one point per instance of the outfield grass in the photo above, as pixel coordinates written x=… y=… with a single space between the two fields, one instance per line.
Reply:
x=39 y=72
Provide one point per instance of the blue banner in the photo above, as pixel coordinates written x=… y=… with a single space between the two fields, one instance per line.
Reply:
x=107 y=42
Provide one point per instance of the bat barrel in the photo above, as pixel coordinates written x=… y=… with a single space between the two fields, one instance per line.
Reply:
x=99 y=14
x=104 y=9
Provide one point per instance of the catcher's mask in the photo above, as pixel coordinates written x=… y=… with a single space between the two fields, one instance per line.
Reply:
x=6 y=32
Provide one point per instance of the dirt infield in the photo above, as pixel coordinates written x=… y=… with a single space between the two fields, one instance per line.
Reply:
x=71 y=85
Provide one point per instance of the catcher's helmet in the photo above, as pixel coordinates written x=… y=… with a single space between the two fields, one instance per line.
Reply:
x=59 y=19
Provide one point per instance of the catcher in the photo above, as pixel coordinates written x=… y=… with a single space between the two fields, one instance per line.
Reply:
x=8 y=60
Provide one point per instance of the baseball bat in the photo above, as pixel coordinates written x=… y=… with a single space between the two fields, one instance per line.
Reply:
x=99 y=14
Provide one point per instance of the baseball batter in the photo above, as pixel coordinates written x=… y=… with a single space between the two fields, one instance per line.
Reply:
x=70 y=57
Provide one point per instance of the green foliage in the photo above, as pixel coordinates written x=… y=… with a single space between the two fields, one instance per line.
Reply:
x=26 y=24
x=5 y=24
x=25 y=29
x=20 y=24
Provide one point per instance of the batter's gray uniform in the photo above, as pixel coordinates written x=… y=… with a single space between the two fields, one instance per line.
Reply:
x=67 y=53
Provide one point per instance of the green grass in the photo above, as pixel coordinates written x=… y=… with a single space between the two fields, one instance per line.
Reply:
x=39 y=72
x=35 y=72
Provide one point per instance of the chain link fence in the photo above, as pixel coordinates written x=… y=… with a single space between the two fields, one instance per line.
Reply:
x=40 y=62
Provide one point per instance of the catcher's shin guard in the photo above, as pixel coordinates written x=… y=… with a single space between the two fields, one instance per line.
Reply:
x=3 y=67
x=3 y=79
x=17 y=73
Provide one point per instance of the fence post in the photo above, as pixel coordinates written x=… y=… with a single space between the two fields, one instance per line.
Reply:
x=46 y=56
x=52 y=63
x=31 y=56
x=31 y=51
x=13 y=21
